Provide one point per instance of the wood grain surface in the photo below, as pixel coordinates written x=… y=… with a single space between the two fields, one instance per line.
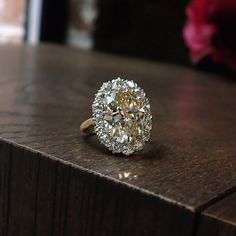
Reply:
x=220 y=218
x=55 y=181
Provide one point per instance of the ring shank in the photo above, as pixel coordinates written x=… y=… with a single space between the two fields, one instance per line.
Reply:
x=87 y=126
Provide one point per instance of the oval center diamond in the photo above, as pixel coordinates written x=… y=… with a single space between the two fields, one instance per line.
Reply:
x=122 y=116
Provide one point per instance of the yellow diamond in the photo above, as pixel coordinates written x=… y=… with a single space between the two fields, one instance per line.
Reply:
x=122 y=116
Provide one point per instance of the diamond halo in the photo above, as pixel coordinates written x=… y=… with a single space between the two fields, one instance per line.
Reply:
x=122 y=116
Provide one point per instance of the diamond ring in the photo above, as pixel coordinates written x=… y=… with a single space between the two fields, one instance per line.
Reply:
x=121 y=117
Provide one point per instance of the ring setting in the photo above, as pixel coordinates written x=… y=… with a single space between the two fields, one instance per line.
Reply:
x=121 y=116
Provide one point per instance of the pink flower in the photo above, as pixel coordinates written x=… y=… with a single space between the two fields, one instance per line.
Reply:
x=211 y=31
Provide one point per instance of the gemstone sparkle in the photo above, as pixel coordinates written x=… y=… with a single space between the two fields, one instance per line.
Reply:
x=122 y=116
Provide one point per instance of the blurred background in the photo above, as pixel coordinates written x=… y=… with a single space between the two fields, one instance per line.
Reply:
x=147 y=29
x=202 y=32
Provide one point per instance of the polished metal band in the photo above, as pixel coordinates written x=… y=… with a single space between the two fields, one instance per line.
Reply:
x=87 y=126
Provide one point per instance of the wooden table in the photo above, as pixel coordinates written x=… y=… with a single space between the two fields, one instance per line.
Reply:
x=55 y=181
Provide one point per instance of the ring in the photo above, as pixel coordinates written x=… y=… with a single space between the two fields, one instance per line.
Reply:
x=121 y=117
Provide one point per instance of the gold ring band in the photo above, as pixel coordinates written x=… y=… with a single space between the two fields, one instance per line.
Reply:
x=87 y=126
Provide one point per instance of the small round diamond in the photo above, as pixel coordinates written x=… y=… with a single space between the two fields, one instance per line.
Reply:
x=122 y=116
